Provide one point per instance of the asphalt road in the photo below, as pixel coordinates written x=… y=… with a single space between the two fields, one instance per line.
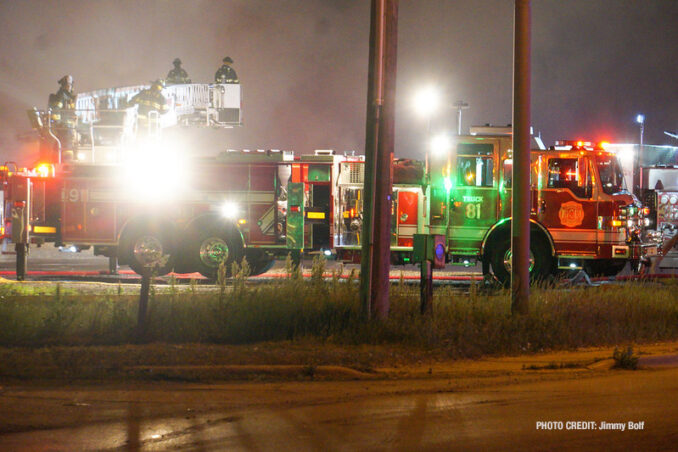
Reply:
x=50 y=263
x=414 y=415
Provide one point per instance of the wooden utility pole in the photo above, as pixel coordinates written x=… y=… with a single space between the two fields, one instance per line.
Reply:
x=520 y=225
x=379 y=141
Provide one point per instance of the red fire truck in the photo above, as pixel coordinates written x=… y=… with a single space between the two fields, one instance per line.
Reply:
x=582 y=217
x=162 y=210
x=143 y=203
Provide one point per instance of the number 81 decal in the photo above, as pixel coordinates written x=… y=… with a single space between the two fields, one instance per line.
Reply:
x=473 y=211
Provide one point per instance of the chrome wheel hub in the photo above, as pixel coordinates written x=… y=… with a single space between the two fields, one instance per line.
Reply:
x=213 y=251
x=508 y=258
x=148 y=250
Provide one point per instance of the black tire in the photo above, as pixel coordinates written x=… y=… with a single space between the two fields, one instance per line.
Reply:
x=259 y=262
x=541 y=261
x=148 y=245
x=261 y=266
x=211 y=244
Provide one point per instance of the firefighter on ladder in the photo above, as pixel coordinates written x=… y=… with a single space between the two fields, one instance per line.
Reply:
x=226 y=74
x=149 y=100
x=178 y=75
x=62 y=116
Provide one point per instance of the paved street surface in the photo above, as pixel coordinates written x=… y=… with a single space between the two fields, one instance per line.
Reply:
x=488 y=410
x=50 y=263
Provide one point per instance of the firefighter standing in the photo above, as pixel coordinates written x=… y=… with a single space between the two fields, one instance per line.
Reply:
x=149 y=100
x=64 y=121
x=177 y=75
x=64 y=98
x=226 y=74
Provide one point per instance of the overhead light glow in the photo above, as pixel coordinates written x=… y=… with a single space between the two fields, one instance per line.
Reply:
x=625 y=154
x=427 y=101
x=440 y=145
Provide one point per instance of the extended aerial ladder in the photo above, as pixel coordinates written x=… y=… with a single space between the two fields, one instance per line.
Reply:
x=103 y=124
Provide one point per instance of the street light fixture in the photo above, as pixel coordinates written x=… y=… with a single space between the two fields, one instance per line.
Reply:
x=460 y=105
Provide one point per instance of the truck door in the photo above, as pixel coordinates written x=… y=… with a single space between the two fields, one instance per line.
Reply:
x=405 y=216
x=567 y=207
x=261 y=204
x=473 y=194
x=318 y=212
x=89 y=205
x=318 y=216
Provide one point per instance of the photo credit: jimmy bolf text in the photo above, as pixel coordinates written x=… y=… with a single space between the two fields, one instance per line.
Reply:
x=589 y=425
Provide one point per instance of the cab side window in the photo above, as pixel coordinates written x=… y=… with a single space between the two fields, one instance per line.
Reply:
x=475 y=165
x=508 y=173
x=570 y=173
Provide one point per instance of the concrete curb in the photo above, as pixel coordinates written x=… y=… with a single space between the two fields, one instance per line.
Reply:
x=248 y=372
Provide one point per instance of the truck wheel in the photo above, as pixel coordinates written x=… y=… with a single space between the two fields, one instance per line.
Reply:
x=213 y=245
x=148 y=246
x=541 y=262
x=259 y=262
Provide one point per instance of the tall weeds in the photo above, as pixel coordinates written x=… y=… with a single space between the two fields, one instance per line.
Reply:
x=328 y=310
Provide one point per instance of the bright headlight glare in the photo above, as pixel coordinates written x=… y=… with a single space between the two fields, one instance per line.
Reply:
x=229 y=209
x=151 y=175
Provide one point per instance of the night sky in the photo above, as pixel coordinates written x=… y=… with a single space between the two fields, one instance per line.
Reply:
x=303 y=64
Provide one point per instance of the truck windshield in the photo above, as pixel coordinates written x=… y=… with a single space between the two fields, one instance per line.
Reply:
x=611 y=175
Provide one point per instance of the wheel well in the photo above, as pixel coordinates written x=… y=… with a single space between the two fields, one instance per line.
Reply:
x=503 y=229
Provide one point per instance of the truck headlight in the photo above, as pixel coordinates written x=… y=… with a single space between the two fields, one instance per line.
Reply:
x=230 y=209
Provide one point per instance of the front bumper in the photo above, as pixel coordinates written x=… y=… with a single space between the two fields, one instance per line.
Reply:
x=639 y=251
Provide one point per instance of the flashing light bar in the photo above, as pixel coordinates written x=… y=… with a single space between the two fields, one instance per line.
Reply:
x=44 y=170
x=579 y=144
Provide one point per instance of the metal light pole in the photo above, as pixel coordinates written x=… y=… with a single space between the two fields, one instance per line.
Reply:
x=460 y=105
x=637 y=168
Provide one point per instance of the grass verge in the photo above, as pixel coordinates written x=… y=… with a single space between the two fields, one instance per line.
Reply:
x=328 y=311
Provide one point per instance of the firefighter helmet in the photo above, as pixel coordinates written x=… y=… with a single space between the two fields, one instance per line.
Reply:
x=227 y=60
x=66 y=80
x=158 y=85
x=176 y=62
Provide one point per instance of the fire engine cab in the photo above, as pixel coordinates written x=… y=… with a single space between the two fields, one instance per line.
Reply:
x=582 y=217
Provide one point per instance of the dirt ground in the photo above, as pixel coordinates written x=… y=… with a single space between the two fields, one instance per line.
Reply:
x=489 y=403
